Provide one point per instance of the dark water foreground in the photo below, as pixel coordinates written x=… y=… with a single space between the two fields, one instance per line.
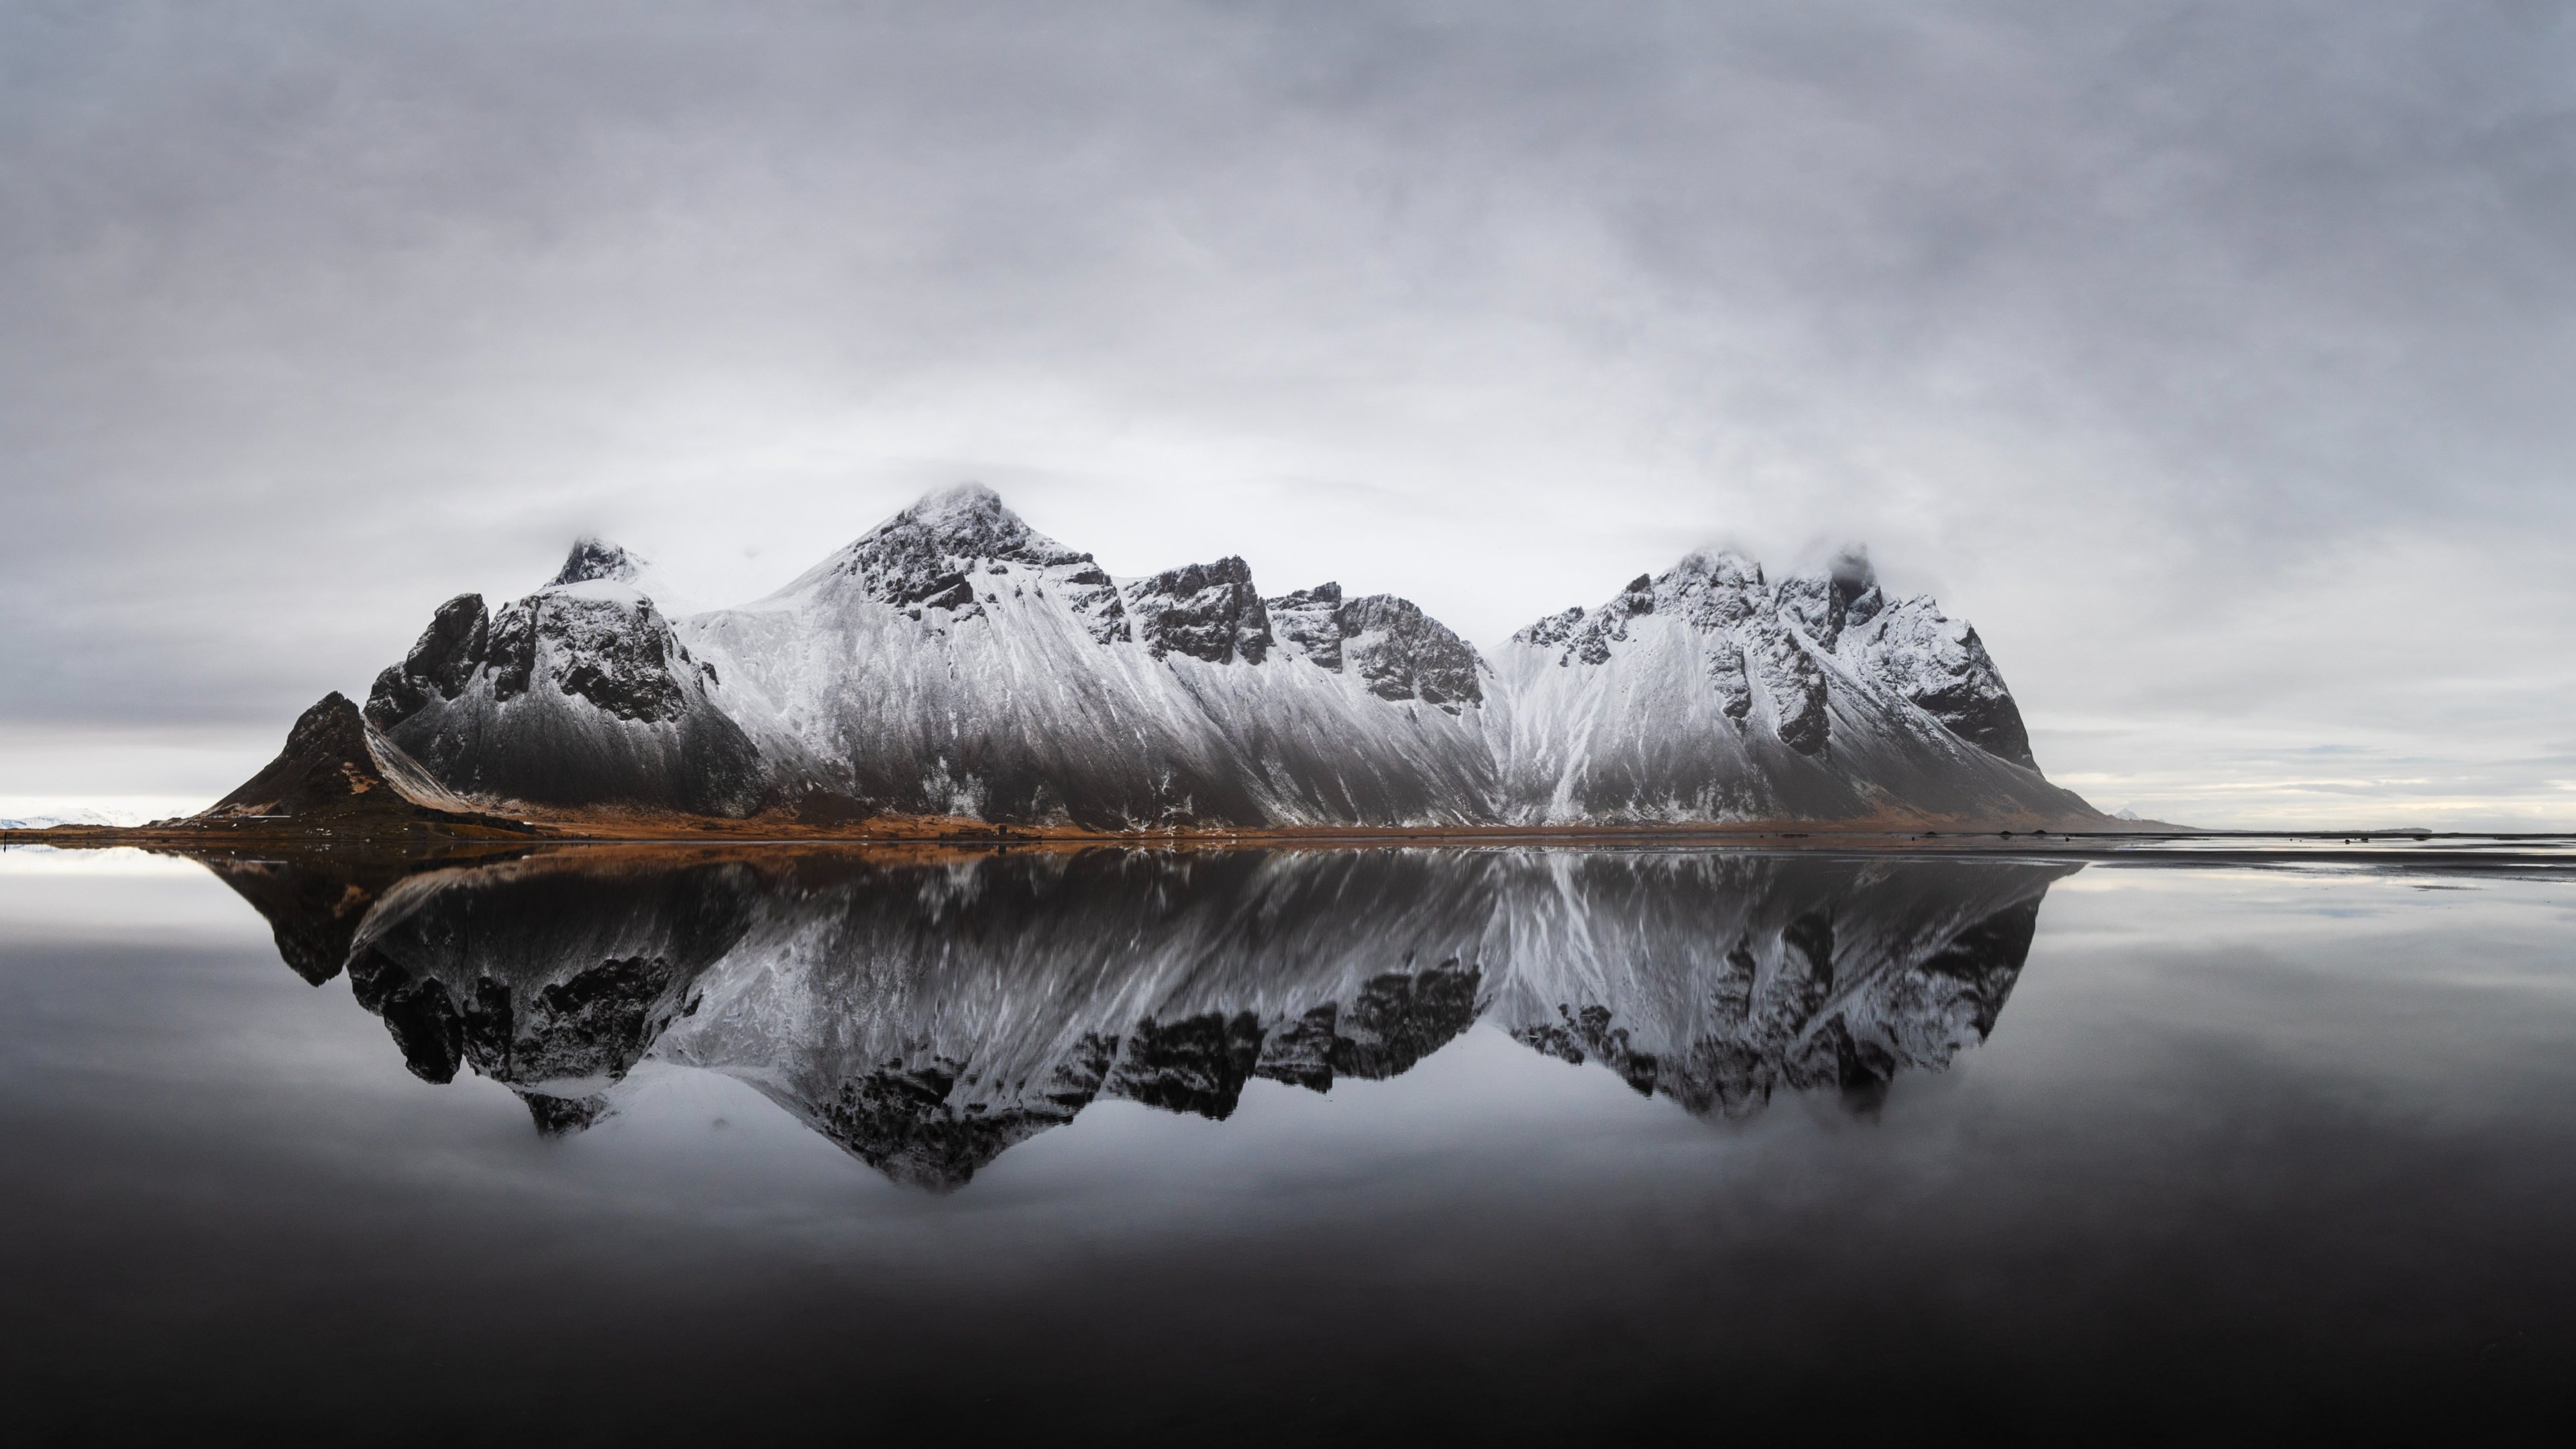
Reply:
x=1288 y=1147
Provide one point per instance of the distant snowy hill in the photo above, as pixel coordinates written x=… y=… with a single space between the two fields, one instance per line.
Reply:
x=954 y=662
x=69 y=815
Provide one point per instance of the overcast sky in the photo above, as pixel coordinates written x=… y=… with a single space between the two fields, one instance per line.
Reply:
x=2218 y=361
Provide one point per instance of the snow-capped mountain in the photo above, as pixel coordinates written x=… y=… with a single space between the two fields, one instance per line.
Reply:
x=1708 y=693
x=579 y=694
x=928 y=1016
x=953 y=662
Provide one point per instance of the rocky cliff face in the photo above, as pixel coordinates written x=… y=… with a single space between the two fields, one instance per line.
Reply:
x=1401 y=653
x=577 y=695
x=926 y=1017
x=954 y=662
x=1938 y=665
x=1209 y=612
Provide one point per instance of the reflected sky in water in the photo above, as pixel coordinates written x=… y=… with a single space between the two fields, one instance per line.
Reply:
x=1285 y=1144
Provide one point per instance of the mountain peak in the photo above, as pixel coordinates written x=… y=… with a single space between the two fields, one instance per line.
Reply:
x=1723 y=565
x=965 y=519
x=594 y=558
x=968 y=512
x=956 y=497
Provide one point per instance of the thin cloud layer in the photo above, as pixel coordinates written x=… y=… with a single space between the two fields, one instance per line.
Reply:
x=2208 y=357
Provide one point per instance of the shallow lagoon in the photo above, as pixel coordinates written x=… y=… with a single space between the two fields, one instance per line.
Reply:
x=1288 y=1146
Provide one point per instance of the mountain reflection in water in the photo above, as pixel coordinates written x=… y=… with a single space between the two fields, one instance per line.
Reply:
x=928 y=1014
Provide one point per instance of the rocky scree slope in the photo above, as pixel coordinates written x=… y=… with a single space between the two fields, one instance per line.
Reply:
x=954 y=662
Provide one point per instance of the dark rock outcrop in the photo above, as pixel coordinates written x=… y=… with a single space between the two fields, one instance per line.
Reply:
x=1399 y=652
x=339 y=769
x=595 y=559
x=1311 y=619
x=1403 y=653
x=1206 y=611
x=570 y=697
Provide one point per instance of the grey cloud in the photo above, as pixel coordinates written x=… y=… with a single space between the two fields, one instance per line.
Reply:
x=2209 y=356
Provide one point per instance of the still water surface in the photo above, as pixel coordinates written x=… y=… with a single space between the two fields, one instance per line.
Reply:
x=1284 y=1147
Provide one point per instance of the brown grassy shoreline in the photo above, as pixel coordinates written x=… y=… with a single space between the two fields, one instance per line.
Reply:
x=949 y=838
x=779 y=829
